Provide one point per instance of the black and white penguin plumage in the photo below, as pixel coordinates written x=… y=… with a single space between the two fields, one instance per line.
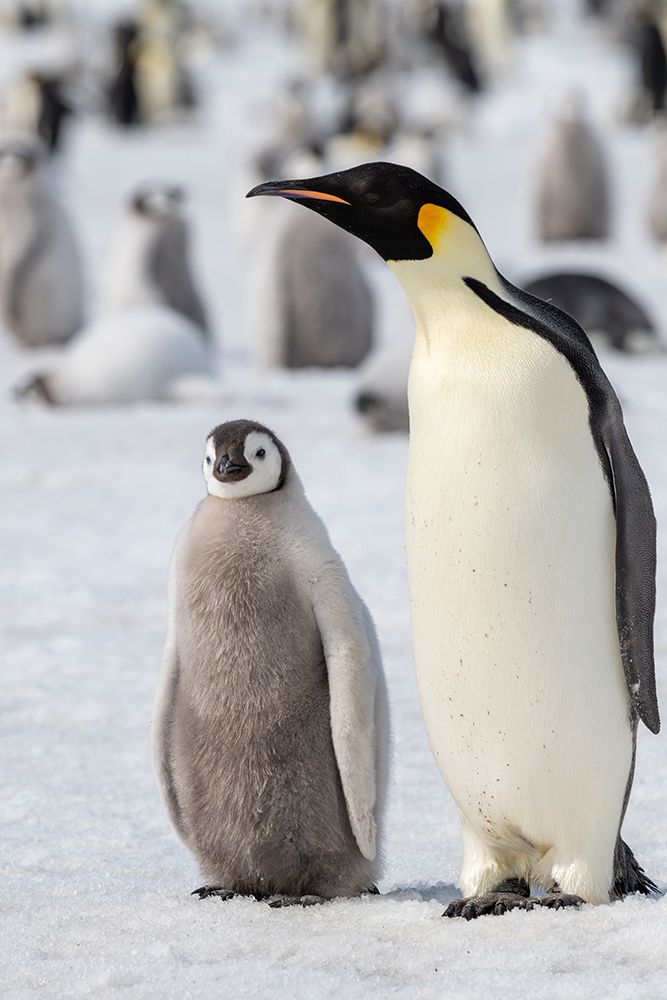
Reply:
x=54 y=109
x=531 y=545
x=150 y=260
x=124 y=107
x=648 y=44
x=41 y=282
x=573 y=200
x=270 y=732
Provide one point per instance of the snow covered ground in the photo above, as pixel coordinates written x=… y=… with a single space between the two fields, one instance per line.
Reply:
x=94 y=898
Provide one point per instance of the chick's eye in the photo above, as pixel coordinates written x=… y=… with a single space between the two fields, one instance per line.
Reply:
x=260 y=454
x=208 y=459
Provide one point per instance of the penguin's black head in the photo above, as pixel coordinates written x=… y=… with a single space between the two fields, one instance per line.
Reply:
x=397 y=211
x=243 y=459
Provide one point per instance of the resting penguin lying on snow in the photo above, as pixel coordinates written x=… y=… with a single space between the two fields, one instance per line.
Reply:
x=531 y=555
x=611 y=317
x=41 y=287
x=139 y=353
x=150 y=257
x=152 y=329
x=271 y=728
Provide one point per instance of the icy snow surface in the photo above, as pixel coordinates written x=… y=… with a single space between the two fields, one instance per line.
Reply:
x=94 y=898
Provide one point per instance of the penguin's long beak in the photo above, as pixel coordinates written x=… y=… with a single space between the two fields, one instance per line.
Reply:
x=296 y=191
x=352 y=202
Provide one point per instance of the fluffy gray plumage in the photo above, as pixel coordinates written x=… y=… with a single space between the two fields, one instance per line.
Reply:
x=41 y=285
x=270 y=733
x=321 y=310
x=573 y=200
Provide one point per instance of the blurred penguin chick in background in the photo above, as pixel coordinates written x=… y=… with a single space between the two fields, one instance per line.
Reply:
x=150 y=256
x=573 y=196
x=41 y=285
x=152 y=331
x=317 y=307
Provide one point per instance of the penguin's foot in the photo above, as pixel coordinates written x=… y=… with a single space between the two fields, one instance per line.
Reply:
x=214 y=890
x=511 y=894
x=372 y=890
x=279 y=900
x=556 y=899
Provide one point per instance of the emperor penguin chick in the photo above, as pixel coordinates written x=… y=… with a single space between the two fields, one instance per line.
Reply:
x=271 y=726
x=573 y=196
x=319 y=310
x=150 y=257
x=41 y=284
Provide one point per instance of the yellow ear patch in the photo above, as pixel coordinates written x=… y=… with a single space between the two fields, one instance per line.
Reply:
x=432 y=220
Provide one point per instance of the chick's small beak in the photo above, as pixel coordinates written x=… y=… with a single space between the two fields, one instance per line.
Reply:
x=226 y=466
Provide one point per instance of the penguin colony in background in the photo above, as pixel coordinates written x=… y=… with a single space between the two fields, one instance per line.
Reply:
x=150 y=81
x=271 y=744
x=152 y=331
x=531 y=556
x=41 y=286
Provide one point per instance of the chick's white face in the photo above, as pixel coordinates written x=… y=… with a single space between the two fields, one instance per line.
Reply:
x=237 y=469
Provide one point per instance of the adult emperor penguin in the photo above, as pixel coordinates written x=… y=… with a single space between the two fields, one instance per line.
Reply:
x=150 y=255
x=531 y=555
x=271 y=724
x=41 y=283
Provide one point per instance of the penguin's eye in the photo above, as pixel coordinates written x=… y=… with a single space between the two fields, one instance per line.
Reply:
x=260 y=454
x=208 y=459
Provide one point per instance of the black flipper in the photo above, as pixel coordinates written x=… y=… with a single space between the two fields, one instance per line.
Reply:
x=635 y=520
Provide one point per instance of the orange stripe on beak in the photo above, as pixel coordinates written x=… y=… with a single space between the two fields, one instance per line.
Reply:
x=315 y=195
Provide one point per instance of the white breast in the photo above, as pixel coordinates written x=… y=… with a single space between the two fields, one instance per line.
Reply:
x=510 y=542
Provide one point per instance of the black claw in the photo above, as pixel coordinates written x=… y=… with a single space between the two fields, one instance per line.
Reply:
x=278 y=901
x=511 y=894
x=557 y=900
x=454 y=909
x=205 y=891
